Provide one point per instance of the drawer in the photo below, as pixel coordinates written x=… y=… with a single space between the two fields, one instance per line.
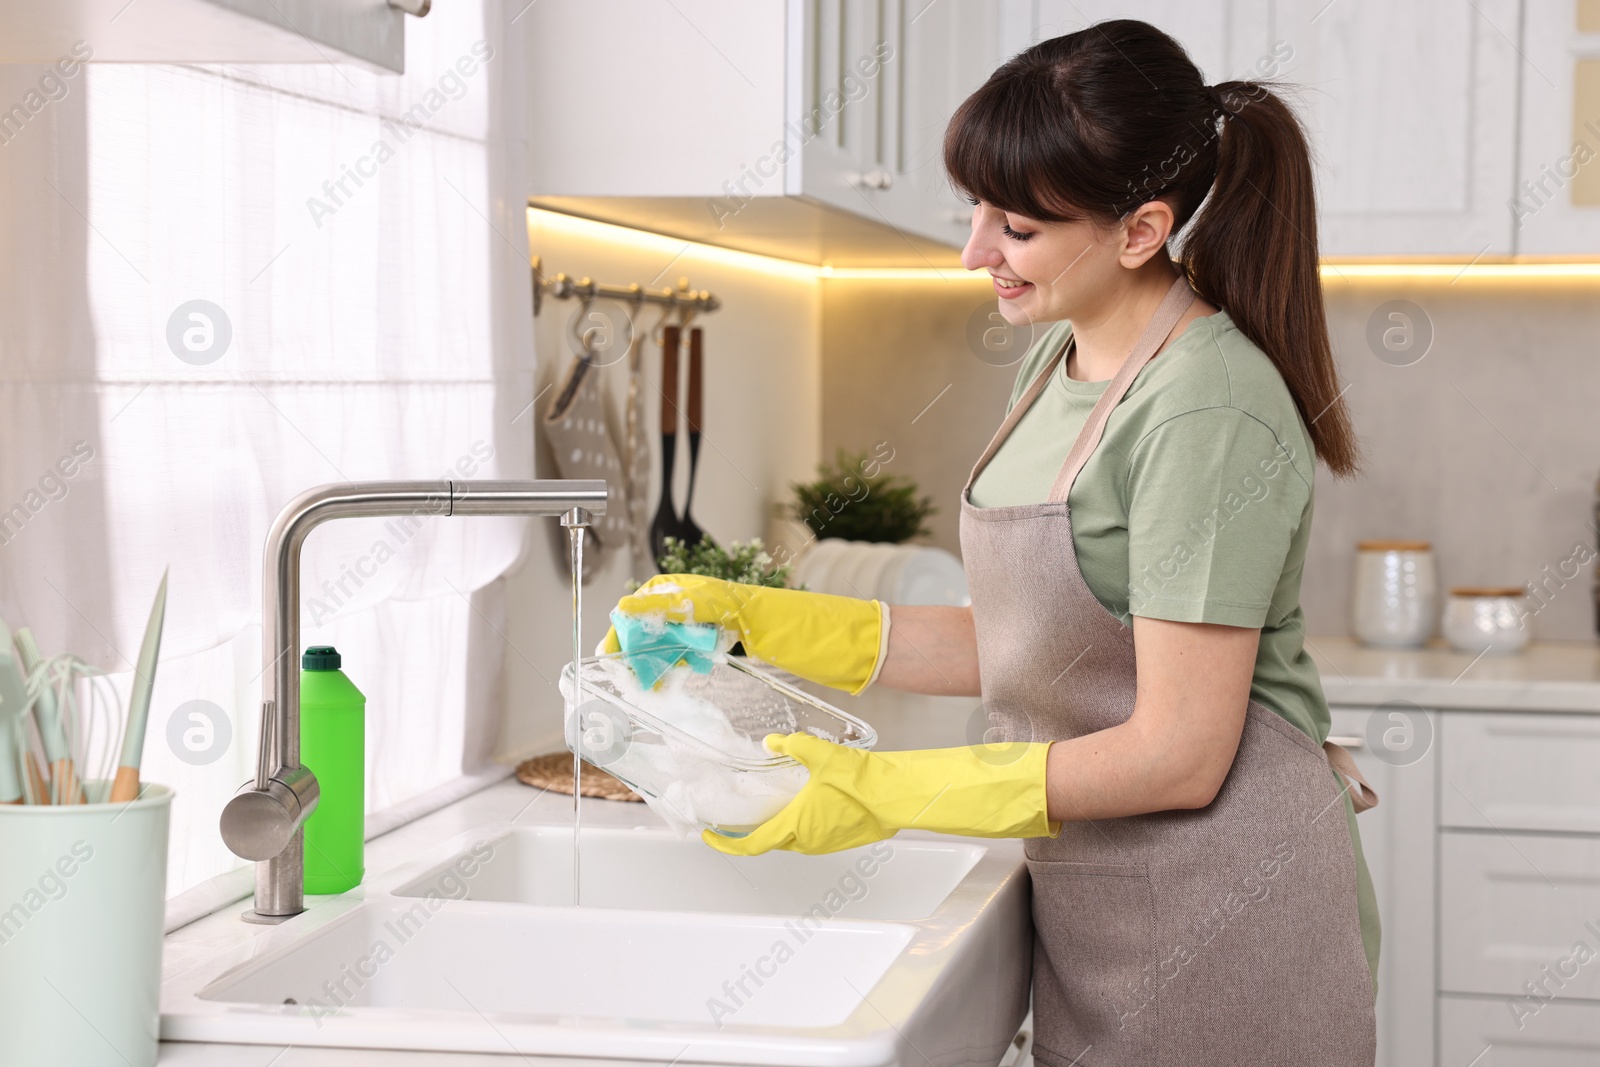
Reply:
x=1520 y=772
x=1517 y=909
x=1559 y=1035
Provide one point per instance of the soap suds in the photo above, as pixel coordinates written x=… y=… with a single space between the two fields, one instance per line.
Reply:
x=686 y=786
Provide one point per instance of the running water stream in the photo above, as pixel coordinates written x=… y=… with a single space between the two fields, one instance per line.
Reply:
x=575 y=534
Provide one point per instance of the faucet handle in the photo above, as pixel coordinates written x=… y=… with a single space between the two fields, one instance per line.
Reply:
x=258 y=823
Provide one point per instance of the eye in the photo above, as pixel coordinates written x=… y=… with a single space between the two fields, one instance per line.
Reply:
x=1005 y=228
x=971 y=200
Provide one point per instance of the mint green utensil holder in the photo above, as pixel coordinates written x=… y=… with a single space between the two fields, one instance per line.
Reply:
x=82 y=900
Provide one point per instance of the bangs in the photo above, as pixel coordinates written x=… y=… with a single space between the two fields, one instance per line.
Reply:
x=1003 y=137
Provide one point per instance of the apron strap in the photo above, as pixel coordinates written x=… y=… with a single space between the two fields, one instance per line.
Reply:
x=1161 y=325
x=1019 y=409
x=1362 y=796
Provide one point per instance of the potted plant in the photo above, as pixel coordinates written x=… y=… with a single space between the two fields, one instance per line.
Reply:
x=853 y=499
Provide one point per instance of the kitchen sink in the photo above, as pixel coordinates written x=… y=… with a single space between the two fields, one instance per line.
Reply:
x=655 y=870
x=913 y=951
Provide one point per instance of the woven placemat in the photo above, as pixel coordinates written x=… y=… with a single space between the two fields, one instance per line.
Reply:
x=553 y=771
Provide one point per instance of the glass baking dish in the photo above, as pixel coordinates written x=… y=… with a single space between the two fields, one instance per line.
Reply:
x=691 y=747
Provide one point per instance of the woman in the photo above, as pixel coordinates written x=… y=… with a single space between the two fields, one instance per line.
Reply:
x=1133 y=538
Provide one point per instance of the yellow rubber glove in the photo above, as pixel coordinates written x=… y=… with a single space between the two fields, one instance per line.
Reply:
x=856 y=797
x=831 y=640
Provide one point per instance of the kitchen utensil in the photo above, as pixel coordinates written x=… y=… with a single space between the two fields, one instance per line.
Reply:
x=691 y=533
x=125 y=786
x=63 y=783
x=1393 y=597
x=578 y=426
x=635 y=449
x=1486 y=618
x=665 y=524
x=691 y=747
x=85 y=885
x=15 y=761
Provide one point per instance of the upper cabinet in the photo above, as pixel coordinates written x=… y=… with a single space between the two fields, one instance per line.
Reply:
x=1555 y=204
x=371 y=32
x=1410 y=107
x=809 y=129
x=812 y=128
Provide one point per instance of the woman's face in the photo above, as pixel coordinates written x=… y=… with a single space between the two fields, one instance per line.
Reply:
x=1047 y=271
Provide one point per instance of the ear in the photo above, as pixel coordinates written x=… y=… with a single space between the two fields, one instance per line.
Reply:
x=1145 y=232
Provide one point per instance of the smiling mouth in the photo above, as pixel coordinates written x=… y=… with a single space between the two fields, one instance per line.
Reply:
x=1008 y=283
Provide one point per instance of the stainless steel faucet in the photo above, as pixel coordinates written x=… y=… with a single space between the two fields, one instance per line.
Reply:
x=263 y=820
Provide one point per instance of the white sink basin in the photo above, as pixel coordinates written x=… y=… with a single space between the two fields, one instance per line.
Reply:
x=912 y=948
x=653 y=870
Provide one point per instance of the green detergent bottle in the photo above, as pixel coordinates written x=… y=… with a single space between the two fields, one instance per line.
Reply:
x=333 y=715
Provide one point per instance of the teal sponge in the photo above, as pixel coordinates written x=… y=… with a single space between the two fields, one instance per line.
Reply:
x=652 y=646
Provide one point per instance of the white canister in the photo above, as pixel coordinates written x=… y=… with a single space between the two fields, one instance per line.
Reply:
x=1492 y=618
x=1393 y=602
x=82 y=905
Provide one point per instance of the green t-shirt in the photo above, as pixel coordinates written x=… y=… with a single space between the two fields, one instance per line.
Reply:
x=1196 y=506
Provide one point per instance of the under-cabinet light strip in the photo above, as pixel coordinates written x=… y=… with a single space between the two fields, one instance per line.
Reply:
x=1332 y=270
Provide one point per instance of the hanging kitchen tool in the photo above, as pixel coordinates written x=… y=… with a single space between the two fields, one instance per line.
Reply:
x=665 y=524
x=578 y=426
x=635 y=445
x=692 y=534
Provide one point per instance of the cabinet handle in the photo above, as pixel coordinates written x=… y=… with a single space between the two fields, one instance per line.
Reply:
x=418 y=8
x=1349 y=741
x=873 y=179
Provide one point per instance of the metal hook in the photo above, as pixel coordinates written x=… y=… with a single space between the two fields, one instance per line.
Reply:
x=579 y=334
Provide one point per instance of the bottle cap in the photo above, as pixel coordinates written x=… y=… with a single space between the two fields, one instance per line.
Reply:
x=320 y=658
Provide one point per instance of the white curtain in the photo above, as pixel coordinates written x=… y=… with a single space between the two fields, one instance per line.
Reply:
x=357 y=241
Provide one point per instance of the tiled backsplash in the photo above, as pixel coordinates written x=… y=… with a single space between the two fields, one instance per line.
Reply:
x=1488 y=445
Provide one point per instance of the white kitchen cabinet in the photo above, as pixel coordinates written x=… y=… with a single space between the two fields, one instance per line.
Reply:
x=1397 y=840
x=1483 y=1032
x=1522 y=771
x=1520 y=908
x=1555 y=205
x=805 y=128
x=371 y=32
x=1411 y=108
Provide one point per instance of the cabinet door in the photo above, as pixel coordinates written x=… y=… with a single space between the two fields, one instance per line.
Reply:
x=1555 y=206
x=1521 y=771
x=878 y=82
x=1482 y=1032
x=1397 y=840
x=1517 y=909
x=207 y=31
x=1411 y=112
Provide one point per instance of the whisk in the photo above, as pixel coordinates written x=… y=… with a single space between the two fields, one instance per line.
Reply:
x=70 y=760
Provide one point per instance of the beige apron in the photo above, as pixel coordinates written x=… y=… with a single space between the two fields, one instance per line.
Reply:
x=1227 y=935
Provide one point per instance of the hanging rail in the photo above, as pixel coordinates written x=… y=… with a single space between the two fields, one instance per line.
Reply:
x=563 y=287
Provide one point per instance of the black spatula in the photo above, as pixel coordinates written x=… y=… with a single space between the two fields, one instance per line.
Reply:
x=691 y=532
x=666 y=524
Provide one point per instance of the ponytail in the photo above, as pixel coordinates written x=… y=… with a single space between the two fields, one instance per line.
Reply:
x=1092 y=124
x=1253 y=251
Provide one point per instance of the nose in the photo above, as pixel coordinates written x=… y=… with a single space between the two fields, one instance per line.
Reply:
x=982 y=249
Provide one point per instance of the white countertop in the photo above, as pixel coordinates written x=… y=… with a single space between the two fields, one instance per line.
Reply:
x=1545 y=676
x=506 y=801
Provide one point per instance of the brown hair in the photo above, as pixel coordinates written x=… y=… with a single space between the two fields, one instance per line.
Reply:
x=1093 y=124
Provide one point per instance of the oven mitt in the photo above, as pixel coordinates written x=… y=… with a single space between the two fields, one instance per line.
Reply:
x=652 y=646
x=830 y=640
x=855 y=797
